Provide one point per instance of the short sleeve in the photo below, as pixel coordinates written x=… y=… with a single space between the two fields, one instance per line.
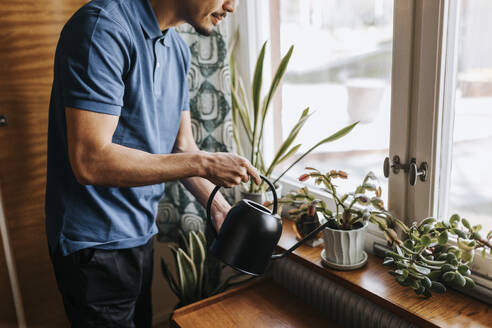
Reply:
x=186 y=92
x=95 y=57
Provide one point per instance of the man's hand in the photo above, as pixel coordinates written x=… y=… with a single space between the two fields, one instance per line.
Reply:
x=228 y=170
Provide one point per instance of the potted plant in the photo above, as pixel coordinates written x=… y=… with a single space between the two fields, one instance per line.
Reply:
x=301 y=207
x=344 y=236
x=427 y=263
x=249 y=114
x=197 y=275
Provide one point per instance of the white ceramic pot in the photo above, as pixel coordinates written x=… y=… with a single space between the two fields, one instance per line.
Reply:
x=364 y=98
x=261 y=197
x=344 y=246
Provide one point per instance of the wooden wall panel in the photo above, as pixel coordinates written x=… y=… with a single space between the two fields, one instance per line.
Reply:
x=29 y=31
x=7 y=309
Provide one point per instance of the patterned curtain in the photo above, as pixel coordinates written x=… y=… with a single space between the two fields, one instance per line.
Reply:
x=210 y=101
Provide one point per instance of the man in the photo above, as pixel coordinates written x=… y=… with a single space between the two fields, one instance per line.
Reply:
x=120 y=127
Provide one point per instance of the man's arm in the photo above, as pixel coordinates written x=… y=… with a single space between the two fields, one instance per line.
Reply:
x=96 y=160
x=199 y=187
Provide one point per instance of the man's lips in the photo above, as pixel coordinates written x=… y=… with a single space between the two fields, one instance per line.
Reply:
x=218 y=17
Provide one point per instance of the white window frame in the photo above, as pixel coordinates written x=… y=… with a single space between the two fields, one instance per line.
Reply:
x=420 y=50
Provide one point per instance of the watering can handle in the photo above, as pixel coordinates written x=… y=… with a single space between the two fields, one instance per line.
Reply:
x=212 y=195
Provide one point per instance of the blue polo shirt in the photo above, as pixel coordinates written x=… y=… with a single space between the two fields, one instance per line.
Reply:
x=113 y=59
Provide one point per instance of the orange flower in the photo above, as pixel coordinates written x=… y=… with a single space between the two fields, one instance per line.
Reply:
x=304 y=177
x=342 y=174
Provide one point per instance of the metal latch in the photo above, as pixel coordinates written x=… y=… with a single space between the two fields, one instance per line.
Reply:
x=411 y=168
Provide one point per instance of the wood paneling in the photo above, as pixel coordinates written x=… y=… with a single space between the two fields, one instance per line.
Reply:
x=29 y=33
x=260 y=304
x=451 y=309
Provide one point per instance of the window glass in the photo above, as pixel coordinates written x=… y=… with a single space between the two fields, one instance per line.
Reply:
x=470 y=191
x=341 y=69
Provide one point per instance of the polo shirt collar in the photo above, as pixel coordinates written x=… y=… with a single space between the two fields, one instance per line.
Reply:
x=148 y=20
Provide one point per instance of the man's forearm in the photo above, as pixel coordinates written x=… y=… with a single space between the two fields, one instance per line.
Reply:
x=120 y=166
x=201 y=189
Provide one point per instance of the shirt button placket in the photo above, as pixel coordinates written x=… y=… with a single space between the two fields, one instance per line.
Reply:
x=157 y=72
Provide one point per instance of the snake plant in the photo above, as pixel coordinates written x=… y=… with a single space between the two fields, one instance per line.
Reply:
x=249 y=114
x=197 y=275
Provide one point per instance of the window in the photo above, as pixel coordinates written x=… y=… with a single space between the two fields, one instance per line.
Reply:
x=341 y=69
x=423 y=69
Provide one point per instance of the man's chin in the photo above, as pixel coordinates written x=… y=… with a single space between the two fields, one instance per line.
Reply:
x=202 y=30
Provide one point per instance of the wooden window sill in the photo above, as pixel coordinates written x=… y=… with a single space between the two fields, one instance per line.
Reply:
x=450 y=309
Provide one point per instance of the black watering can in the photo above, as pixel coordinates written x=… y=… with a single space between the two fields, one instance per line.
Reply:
x=249 y=235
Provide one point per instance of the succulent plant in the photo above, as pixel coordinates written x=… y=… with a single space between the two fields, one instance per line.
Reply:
x=426 y=263
x=423 y=260
x=197 y=275
x=351 y=209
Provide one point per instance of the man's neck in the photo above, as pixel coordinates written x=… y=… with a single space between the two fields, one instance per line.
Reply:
x=168 y=13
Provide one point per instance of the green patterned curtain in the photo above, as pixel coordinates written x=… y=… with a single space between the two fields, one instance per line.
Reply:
x=210 y=101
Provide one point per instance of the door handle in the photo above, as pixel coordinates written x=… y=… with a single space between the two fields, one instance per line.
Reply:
x=3 y=120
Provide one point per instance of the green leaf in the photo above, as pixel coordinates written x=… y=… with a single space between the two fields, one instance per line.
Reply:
x=459 y=280
x=434 y=275
x=388 y=261
x=431 y=262
x=455 y=218
x=477 y=228
x=476 y=235
x=448 y=276
x=170 y=279
x=337 y=135
x=466 y=223
x=463 y=269
x=187 y=276
x=183 y=242
x=427 y=221
x=282 y=67
x=426 y=282
x=257 y=83
x=459 y=233
x=394 y=255
x=288 y=141
x=425 y=240
x=243 y=116
x=421 y=269
x=469 y=283
x=447 y=267
x=197 y=251
x=202 y=237
x=438 y=287
x=290 y=153
x=467 y=256
x=443 y=238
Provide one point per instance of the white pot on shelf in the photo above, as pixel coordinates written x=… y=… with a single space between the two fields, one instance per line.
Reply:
x=344 y=247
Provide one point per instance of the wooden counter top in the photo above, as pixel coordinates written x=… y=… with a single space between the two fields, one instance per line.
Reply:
x=450 y=309
x=259 y=304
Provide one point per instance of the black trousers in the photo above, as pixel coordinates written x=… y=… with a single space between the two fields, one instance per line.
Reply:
x=107 y=288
